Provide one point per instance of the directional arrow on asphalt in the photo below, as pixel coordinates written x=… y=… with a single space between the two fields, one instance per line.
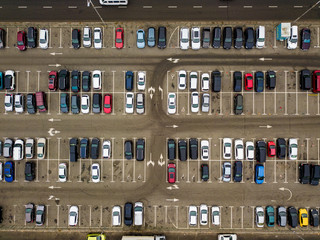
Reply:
x=160 y=89
x=56 y=53
x=175 y=186
x=174 y=60
x=54 y=65
x=151 y=91
x=54 y=120
x=286 y=189
x=173 y=126
x=160 y=161
x=53 y=132
x=265 y=59
x=172 y=200
x=150 y=161
x=52 y=187
x=266 y=126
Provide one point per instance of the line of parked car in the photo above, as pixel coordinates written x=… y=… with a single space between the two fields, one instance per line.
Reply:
x=35 y=101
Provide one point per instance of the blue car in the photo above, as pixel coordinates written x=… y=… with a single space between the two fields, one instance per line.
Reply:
x=1 y=80
x=8 y=171
x=141 y=43
x=129 y=81
x=259 y=175
x=259 y=81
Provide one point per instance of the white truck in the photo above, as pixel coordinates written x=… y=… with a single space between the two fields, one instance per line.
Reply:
x=156 y=237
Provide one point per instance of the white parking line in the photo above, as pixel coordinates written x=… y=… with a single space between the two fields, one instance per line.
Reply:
x=58 y=207
x=247 y=6
x=220 y=93
x=17 y=79
x=145 y=162
x=273 y=6
x=241 y=216
x=101 y=216
x=47 y=213
x=285 y=94
x=101 y=162
x=172 y=6
x=275 y=99
x=317 y=46
x=47 y=7
x=48 y=156
x=298 y=6
x=274 y=166
x=177 y=167
x=296 y=72
x=264 y=98
x=112 y=140
x=39 y=80
x=222 y=6
x=147 y=7
x=231 y=94
x=308 y=139
x=123 y=161
x=177 y=93
x=89 y=215
x=253 y=94
x=22 y=7
x=197 y=6
x=210 y=151
x=79 y=215
x=155 y=216
x=285 y=166
x=60 y=46
x=28 y=78
x=231 y=207
x=318 y=140
x=73 y=7
x=50 y=42
x=134 y=162
x=220 y=157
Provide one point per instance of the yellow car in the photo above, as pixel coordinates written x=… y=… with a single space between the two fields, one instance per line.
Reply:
x=96 y=236
x=303 y=217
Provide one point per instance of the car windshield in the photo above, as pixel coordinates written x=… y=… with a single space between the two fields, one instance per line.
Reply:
x=73 y=214
x=75 y=41
x=118 y=40
x=260 y=39
x=43 y=40
x=193 y=213
x=28 y=210
x=184 y=40
x=228 y=144
x=260 y=178
x=20 y=43
x=107 y=106
x=171 y=170
x=304 y=215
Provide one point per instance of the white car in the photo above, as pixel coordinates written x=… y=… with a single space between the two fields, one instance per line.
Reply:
x=205 y=102
x=182 y=84
x=97 y=38
x=43 y=38
x=18 y=149
x=204 y=144
x=184 y=38
x=141 y=81
x=1 y=171
x=203 y=214
x=19 y=103
x=9 y=77
x=41 y=148
x=193 y=215
x=226 y=173
x=95 y=173
x=85 y=104
x=62 y=172
x=293 y=39
x=228 y=236
x=116 y=216
x=259 y=217
x=172 y=103
x=194 y=102
x=129 y=102
x=96 y=79
x=87 y=37
x=73 y=215
x=106 y=149
x=195 y=38
x=293 y=149
x=238 y=149
x=8 y=102
x=205 y=82
x=215 y=214
x=138 y=214
x=249 y=150
x=193 y=81
x=227 y=148
x=29 y=148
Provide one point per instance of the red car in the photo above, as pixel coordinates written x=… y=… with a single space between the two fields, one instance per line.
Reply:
x=53 y=80
x=171 y=173
x=107 y=103
x=248 y=81
x=119 y=38
x=316 y=81
x=21 y=40
x=271 y=149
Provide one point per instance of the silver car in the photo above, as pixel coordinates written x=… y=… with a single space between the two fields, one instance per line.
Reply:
x=226 y=177
x=29 y=212
x=40 y=212
x=29 y=148
x=140 y=103
x=205 y=102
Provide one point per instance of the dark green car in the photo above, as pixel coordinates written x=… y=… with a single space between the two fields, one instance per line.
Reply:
x=64 y=102
x=270 y=216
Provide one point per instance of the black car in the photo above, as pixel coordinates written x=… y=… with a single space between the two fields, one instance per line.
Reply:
x=204 y=172
x=305 y=38
x=292 y=217
x=76 y=38
x=182 y=150
x=128 y=214
x=238 y=38
x=2 y=38
x=84 y=148
x=128 y=149
x=73 y=149
x=237 y=171
x=75 y=104
x=140 y=149
x=64 y=80
x=281 y=148
x=305 y=79
x=216 y=81
x=75 y=81
x=271 y=80
x=162 y=37
x=31 y=103
x=96 y=103
x=227 y=38
x=64 y=102
x=206 y=37
x=32 y=37
x=94 y=149
x=304 y=173
x=237 y=81
x=314 y=217
x=259 y=81
x=238 y=104
x=171 y=149
x=193 y=148
x=216 y=37
x=86 y=81
x=315 y=175
x=249 y=38
x=29 y=171
x=261 y=151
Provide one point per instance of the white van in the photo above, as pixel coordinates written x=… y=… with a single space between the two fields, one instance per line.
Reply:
x=193 y=81
x=260 y=37
x=293 y=39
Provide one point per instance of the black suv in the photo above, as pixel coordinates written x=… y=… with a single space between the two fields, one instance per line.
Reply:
x=86 y=81
x=237 y=172
x=216 y=37
x=32 y=37
x=64 y=81
x=182 y=150
x=281 y=148
x=314 y=217
x=238 y=38
x=271 y=80
x=162 y=37
x=73 y=149
x=238 y=104
x=128 y=152
x=216 y=81
x=31 y=103
x=75 y=81
x=94 y=151
x=204 y=172
x=128 y=214
x=292 y=217
x=261 y=151
x=193 y=148
x=29 y=171
x=304 y=173
x=237 y=81
x=249 y=38
x=140 y=149
x=171 y=149
x=315 y=175
x=227 y=37
x=76 y=38
x=305 y=79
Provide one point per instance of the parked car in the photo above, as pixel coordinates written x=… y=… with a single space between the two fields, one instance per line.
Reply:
x=204 y=172
x=64 y=80
x=40 y=215
x=75 y=104
x=172 y=103
x=193 y=215
x=316 y=81
x=271 y=149
x=141 y=81
x=9 y=171
x=86 y=81
x=128 y=149
x=259 y=81
x=260 y=37
x=216 y=81
x=238 y=38
x=204 y=214
x=216 y=37
x=84 y=148
x=271 y=80
x=237 y=81
x=249 y=38
x=128 y=214
x=303 y=217
x=29 y=212
x=107 y=103
x=182 y=150
x=29 y=171
x=282 y=216
x=193 y=148
x=64 y=102
x=238 y=104
x=106 y=149
x=205 y=102
x=281 y=148
x=215 y=214
x=184 y=38
x=119 y=38
x=292 y=217
x=129 y=102
x=140 y=149
x=227 y=148
x=21 y=41
x=31 y=103
x=162 y=37
x=171 y=149
x=195 y=38
x=41 y=101
x=305 y=79
x=270 y=218
x=259 y=217
x=227 y=236
x=206 y=37
x=293 y=148
x=9 y=80
x=8 y=102
x=129 y=80
x=75 y=38
x=32 y=37
x=29 y=148
x=226 y=174
x=314 y=217
x=73 y=149
x=204 y=146
x=227 y=37
x=151 y=37
x=304 y=173
x=259 y=174
x=261 y=151
x=140 y=103
x=97 y=38
x=73 y=215
x=41 y=148
x=141 y=43
x=315 y=175
x=94 y=148
x=248 y=82
x=193 y=81
x=87 y=36
x=237 y=171
x=205 y=82
x=62 y=172
x=249 y=150
x=53 y=80
x=18 y=149
x=116 y=216
x=194 y=102
x=138 y=214
x=8 y=148
x=305 y=39
x=95 y=173
x=44 y=38
x=96 y=103
x=238 y=149
x=2 y=38
x=96 y=80
x=292 y=41
x=182 y=80
x=75 y=81
x=171 y=173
